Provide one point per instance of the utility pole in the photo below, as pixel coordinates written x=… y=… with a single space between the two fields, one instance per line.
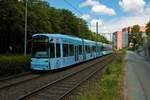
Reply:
x=25 y=35
x=96 y=37
x=97 y=31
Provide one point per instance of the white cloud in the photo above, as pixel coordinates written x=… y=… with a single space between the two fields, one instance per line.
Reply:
x=118 y=23
x=98 y=9
x=89 y=3
x=86 y=17
x=132 y=5
x=141 y=17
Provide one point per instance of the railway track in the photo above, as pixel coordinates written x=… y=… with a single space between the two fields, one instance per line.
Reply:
x=12 y=90
x=58 y=89
x=13 y=76
x=19 y=79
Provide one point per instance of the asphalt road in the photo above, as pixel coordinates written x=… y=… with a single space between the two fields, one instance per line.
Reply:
x=137 y=77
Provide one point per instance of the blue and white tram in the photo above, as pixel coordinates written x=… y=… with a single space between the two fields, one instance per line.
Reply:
x=99 y=49
x=107 y=49
x=54 y=51
x=88 y=49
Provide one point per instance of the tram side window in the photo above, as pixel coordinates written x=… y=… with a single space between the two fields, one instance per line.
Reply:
x=104 y=49
x=71 y=50
x=95 y=48
x=91 y=49
x=58 y=50
x=101 y=48
x=86 y=49
x=65 y=50
x=52 y=50
x=80 y=49
x=98 y=48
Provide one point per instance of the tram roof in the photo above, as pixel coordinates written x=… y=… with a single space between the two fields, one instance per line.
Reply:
x=64 y=36
x=58 y=36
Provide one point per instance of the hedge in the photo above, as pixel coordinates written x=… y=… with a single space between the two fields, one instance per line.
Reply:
x=13 y=64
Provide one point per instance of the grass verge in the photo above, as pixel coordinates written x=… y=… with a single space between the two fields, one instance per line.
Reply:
x=110 y=86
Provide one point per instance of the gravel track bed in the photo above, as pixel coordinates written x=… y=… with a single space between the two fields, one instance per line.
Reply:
x=55 y=91
x=18 y=80
x=12 y=93
x=4 y=78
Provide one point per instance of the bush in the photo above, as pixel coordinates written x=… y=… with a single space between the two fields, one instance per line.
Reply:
x=13 y=64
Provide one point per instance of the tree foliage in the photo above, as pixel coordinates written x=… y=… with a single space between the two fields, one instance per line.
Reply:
x=148 y=28
x=11 y=24
x=42 y=18
x=136 y=36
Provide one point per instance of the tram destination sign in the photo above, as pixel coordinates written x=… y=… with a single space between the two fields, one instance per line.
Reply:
x=40 y=40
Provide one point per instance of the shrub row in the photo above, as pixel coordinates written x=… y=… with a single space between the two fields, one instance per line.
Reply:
x=13 y=64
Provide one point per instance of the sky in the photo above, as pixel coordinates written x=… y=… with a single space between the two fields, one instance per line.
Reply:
x=111 y=15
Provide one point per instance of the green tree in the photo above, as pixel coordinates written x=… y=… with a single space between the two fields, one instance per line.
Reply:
x=136 y=36
x=148 y=30
x=42 y=18
x=11 y=25
x=98 y=38
x=38 y=19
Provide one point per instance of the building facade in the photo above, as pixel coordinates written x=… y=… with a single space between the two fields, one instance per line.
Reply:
x=121 y=38
x=117 y=40
x=125 y=33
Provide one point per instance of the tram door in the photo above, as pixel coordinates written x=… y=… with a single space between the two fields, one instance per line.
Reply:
x=76 y=53
x=55 y=55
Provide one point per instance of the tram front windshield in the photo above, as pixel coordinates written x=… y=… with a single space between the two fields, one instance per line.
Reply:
x=39 y=50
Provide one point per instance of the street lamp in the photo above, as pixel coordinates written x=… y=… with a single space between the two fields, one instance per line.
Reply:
x=25 y=35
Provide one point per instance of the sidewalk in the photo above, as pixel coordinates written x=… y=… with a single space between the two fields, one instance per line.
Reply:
x=137 y=77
